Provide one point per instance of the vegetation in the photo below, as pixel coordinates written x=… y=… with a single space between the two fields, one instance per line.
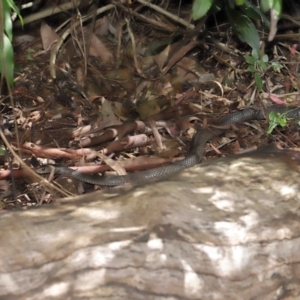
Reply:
x=258 y=65
x=6 y=49
x=241 y=14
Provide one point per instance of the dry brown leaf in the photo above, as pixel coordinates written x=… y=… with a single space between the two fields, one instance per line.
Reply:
x=189 y=70
x=48 y=36
x=98 y=49
x=124 y=77
x=80 y=78
x=148 y=108
x=147 y=63
x=102 y=26
x=184 y=123
x=113 y=164
x=187 y=63
x=178 y=56
x=162 y=57
x=109 y=117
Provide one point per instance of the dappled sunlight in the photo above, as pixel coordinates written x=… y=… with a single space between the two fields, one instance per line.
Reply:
x=98 y=214
x=224 y=200
x=193 y=284
x=155 y=244
x=234 y=233
x=57 y=289
x=227 y=261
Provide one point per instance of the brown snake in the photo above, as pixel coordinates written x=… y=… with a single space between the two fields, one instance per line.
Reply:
x=193 y=157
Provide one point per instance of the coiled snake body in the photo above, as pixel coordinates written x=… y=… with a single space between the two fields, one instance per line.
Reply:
x=193 y=157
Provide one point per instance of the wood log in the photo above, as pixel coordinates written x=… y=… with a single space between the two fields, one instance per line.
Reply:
x=225 y=230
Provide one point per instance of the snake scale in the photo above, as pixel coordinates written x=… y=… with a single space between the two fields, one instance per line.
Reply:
x=193 y=157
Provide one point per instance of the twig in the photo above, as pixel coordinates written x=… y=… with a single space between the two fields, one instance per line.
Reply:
x=166 y=13
x=30 y=171
x=136 y=64
x=66 y=34
x=155 y=23
x=46 y=13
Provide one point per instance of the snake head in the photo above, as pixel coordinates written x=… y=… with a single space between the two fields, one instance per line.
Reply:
x=44 y=169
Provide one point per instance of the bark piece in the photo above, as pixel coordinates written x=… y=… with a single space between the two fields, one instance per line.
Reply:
x=227 y=230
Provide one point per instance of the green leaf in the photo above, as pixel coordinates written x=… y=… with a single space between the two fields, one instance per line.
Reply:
x=275 y=120
x=7 y=20
x=6 y=60
x=6 y=50
x=265 y=58
x=216 y=7
x=231 y=3
x=272 y=4
x=277 y=5
x=249 y=59
x=283 y=122
x=276 y=66
x=263 y=66
x=250 y=12
x=2 y=151
x=255 y=54
x=251 y=69
x=200 y=8
x=239 y=2
x=13 y=6
x=28 y=53
x=265 y=4
x=244 y=28
x=258 y=81
x=254 y=12
x=271 y=127
x=246 y=31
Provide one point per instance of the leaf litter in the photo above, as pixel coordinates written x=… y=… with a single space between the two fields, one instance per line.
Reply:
x=127 y=92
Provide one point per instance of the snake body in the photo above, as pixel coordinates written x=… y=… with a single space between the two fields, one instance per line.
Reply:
x=193 y=157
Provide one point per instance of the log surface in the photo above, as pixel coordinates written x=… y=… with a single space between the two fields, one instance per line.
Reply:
x=228 y=230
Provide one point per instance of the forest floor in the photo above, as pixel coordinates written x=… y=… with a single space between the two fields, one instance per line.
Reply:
x=127 y=93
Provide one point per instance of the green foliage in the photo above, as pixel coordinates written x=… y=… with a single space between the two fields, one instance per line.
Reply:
x=200 y=8
x=241 y=14
x=276 y=66
x=6 y=60
x=254 y=13
x=275 y=5
x=2 y=151
x=29 y=53
x=275 y=120
x=239 y=2
x=6 y=35
x=244 y=28
x=258 y=65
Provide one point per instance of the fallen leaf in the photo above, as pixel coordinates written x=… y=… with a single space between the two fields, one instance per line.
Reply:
x=48 y=36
